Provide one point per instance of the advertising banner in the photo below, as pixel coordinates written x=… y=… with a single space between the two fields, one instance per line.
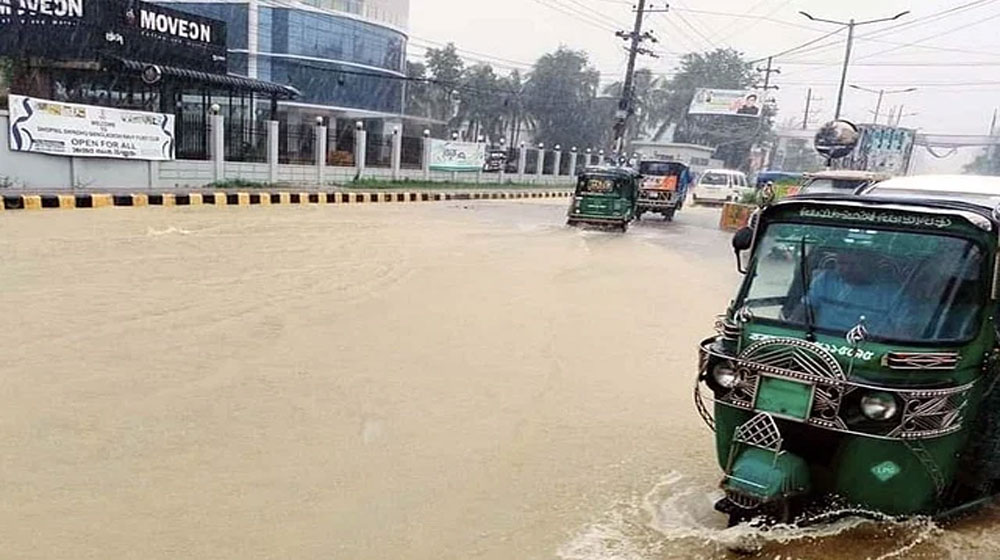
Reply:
x=69 y=129
x=883 y=149
x=131 y=29
x=457 y=156
x=725 y=102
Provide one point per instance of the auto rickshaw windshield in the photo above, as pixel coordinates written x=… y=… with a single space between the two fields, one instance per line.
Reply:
x=909 y=287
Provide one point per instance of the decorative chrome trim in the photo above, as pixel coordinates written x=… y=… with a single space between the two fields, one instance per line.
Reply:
x=727 y=329
x=921 y=360
x=759 y=431
x=925 y=413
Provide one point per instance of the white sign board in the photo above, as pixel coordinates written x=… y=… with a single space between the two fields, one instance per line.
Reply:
x=68 y=129
x=725 y=102
x=457 y=156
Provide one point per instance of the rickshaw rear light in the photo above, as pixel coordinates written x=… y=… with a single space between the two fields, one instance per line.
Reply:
x=725 y=376
x=879 y=406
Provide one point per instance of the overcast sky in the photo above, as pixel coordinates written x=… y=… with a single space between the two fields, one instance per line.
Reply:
x=953 y=59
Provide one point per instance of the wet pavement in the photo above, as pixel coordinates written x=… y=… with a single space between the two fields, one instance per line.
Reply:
x=443 y=380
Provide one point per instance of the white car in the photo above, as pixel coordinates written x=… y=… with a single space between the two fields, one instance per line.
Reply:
x=720 y=185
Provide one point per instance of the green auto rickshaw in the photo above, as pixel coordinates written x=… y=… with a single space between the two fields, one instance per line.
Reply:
x=604 y=196
x=856 y=369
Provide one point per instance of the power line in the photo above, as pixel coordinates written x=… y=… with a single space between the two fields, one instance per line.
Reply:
x=798 y=47
x=726 y=28
x=748 y=16
x=917 y=22
x=935 y=35
x=576 y=14
x=741 y=30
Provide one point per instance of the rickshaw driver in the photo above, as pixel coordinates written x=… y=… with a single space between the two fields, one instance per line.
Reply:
x=841 y=295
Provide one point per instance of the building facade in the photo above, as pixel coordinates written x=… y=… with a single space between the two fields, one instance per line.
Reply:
x=346 y=58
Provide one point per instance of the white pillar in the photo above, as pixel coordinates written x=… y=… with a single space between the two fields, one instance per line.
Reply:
x=558 y=161
x=426 y=162
x=572 y=162
x=217 y=144
x=360 y=147
x=540 y=167
x=320 y=153
x=522 y=162
x=272 y=151
x=397 y=152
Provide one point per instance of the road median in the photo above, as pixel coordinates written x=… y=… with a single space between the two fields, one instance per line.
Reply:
x=260 y=198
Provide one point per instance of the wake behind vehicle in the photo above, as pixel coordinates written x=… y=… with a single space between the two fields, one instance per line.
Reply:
x=605 y=196
x=663 y=189
x=857 y=366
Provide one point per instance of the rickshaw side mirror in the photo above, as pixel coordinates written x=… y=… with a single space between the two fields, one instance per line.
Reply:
x=742 y=240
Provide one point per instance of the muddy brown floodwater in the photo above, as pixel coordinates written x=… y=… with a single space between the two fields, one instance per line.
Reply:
x=454 y=380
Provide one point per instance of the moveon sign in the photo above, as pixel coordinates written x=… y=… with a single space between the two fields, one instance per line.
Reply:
x=178 y=27
x=57 y=8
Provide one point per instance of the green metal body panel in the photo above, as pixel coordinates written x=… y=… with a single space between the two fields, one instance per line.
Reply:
x=891 y=475
x=761 y=473
x=601 y=207
x=614 y=207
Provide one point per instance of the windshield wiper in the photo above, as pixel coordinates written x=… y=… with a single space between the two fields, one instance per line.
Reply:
x=804 y=276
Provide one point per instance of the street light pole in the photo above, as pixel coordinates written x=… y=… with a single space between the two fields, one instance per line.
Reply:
x=850 y=44
x=843 y=71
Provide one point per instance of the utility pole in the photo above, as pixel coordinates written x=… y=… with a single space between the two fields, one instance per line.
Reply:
x=805 y=117
x=810 y=109
x=767 y=75
x=636 y=37
x=850 y=44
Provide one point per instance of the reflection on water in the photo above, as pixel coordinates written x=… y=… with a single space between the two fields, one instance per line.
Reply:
x=675 y=520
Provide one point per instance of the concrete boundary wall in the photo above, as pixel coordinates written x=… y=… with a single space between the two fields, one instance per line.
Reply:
x=32 y=171
x=251 y=198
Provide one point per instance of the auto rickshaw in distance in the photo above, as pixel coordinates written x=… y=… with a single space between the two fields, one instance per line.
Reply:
x=857 y=367
x=663 y=189
x=605 y=196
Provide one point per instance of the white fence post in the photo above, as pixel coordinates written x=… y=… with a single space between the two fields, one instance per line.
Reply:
x=360 y=147
x=397 y=152
x=217 y=144
x=558 y=161
x=540 y=165
x=427 y=155
x=272 y=151
x=572 y=161
x=522 y=162
x=320 y=151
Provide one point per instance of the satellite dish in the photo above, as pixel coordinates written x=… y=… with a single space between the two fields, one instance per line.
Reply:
x=836 y=139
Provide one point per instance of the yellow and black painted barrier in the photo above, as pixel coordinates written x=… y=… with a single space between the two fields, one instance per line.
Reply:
x=252 y=198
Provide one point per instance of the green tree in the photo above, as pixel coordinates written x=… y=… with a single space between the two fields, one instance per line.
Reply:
x=512 y=88
x=650 y=95
x=418 y=102
x=446 y=69
x=561 y=99
x=481 y=105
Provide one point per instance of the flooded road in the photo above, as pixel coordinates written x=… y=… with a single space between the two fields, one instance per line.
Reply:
x=432 y=381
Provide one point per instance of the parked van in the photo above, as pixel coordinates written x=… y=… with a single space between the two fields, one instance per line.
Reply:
x=720 y=185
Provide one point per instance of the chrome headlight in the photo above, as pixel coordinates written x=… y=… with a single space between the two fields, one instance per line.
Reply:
x=879 y=406
x=725 y=376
